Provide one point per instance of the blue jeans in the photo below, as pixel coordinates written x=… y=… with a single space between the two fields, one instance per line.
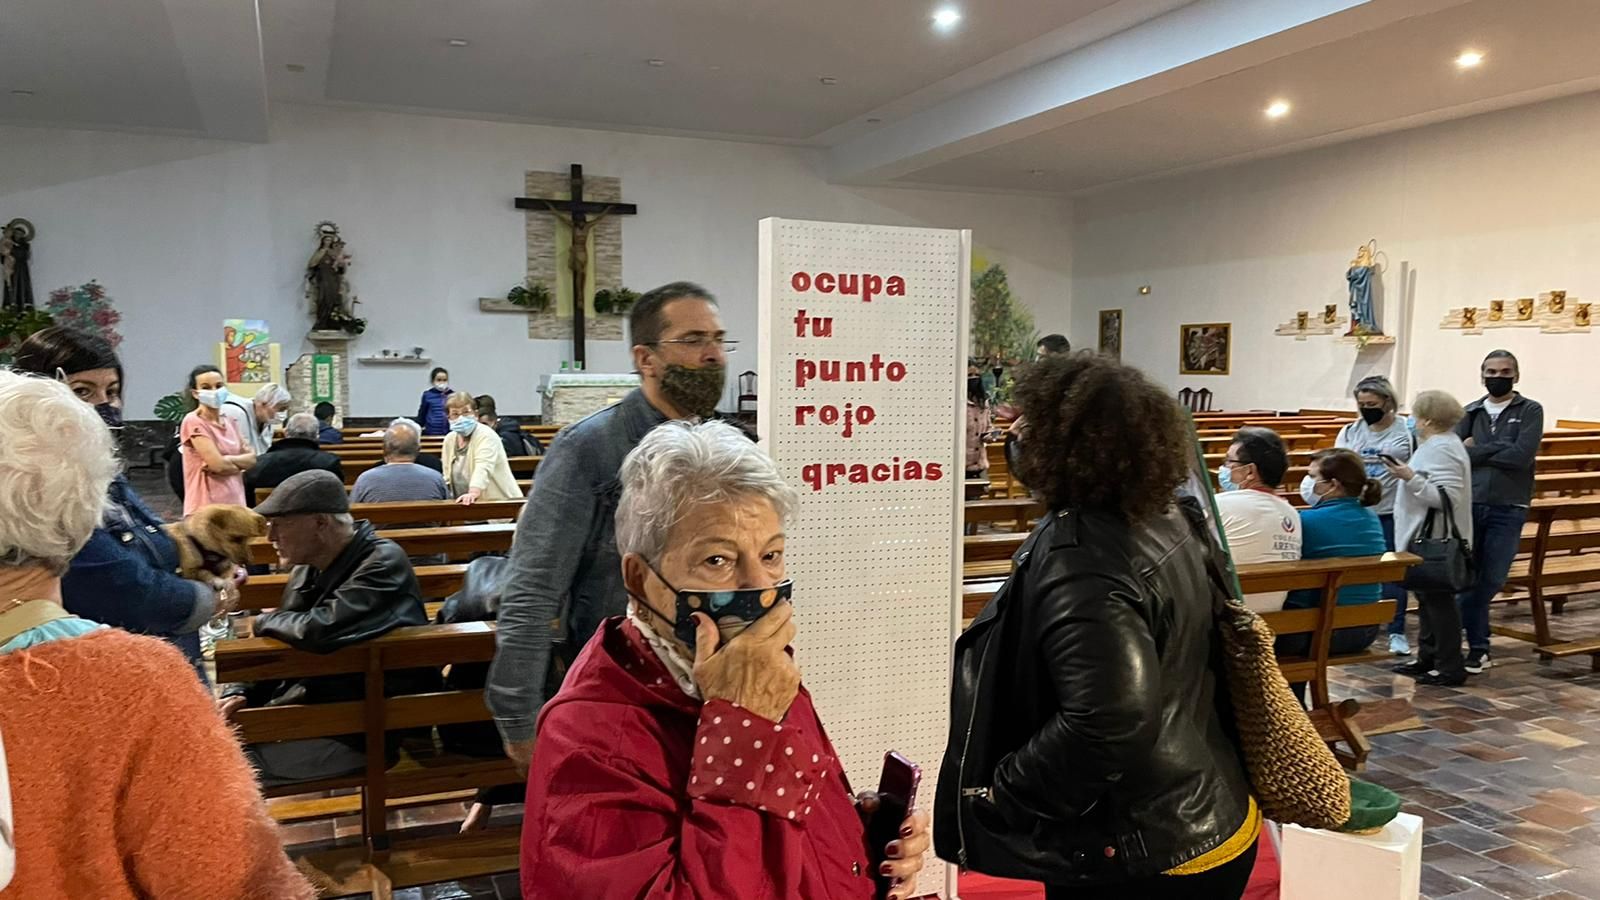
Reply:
x=1392 y=589
x=1496 y=532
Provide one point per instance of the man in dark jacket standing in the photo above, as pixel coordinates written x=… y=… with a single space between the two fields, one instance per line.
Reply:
x=1502 y=432
x=297 y=451
x=348 y=586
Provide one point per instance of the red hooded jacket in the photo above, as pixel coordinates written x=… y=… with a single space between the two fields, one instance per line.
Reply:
x=637 y=790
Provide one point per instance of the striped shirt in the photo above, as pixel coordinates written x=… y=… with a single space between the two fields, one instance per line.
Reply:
x=395 y=482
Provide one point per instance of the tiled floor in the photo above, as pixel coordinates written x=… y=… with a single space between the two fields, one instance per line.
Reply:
x=1506 y=773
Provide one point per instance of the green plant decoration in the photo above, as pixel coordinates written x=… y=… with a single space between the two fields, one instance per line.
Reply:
x=1003 y=335
x=171 y=408
x=531 y=296
x=608 y=302
x=16 y=326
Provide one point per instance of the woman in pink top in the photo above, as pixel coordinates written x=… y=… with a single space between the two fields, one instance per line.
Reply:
x=214 y=454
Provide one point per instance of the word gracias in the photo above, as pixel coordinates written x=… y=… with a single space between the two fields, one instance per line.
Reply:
x=867 y=286
x=819 y=474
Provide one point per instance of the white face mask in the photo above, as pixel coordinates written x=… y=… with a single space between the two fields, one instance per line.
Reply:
x=212 y=399
x=1308 y=491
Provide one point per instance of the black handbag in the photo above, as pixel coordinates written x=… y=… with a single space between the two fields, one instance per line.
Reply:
x=1446 y=561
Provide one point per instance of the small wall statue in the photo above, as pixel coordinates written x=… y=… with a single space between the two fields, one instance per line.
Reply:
x=332 y=307
x=1363 y=270
x=1552 y=312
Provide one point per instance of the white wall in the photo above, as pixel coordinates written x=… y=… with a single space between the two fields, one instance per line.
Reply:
x=1503 y=205
x=185 y=233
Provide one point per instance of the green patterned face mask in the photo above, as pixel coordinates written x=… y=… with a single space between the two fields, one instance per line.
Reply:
x=694 y=391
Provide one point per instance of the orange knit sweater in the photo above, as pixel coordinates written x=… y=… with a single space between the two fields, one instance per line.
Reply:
x=127 y=784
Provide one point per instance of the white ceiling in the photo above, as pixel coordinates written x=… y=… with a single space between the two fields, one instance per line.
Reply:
x=1024 y=95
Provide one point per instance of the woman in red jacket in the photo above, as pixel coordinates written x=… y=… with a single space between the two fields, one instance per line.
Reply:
x=682 y=758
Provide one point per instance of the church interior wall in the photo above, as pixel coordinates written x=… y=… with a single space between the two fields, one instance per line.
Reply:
x=185 y=232
x=1498 y=206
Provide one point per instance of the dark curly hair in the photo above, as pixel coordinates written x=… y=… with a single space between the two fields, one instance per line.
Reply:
x=1100 y=435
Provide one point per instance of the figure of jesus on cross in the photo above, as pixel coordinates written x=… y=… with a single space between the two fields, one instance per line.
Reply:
x=581 y=216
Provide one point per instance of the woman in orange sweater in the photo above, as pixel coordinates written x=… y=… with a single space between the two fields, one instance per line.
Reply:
x=125 y=782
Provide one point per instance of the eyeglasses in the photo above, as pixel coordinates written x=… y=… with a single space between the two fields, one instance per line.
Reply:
x=703 y=342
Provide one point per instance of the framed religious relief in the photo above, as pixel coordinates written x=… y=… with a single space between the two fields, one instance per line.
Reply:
x=1205 y=349
x=1111 y=333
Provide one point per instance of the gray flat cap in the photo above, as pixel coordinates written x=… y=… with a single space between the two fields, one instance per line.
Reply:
x=307 y=492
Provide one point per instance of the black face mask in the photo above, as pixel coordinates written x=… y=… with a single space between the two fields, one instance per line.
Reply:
x=732 y=611
x=109 y=414
x=694 y=391
x=1371 y=415
x=1498 y=385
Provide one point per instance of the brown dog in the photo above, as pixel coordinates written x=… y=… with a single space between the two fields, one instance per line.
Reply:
x=214 y=540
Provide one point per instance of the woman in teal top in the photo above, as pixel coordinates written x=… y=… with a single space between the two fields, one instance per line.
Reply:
x=1340 y=522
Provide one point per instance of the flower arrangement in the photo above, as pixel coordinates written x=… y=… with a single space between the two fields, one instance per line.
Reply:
x=86 y=307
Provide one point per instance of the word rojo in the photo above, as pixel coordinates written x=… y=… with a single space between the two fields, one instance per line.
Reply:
x=850 y=415
x=866 y=286
x=820 y=475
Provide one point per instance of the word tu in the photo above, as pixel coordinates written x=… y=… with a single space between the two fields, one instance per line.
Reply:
x=819 y=475
x=866 y=286
x=851 y=416
x=875 y=369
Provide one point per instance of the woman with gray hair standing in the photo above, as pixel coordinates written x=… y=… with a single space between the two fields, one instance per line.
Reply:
x=1377 y=434
x=108 y=737
x=682 y=757
x=1439 y=477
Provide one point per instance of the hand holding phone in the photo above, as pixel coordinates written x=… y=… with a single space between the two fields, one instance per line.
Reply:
x=896 y=798
x=1389 y=459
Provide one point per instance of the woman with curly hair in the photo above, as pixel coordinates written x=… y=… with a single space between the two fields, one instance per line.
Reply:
x=1088 y=749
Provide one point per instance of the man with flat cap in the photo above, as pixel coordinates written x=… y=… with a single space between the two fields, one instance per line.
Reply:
x=347 y=585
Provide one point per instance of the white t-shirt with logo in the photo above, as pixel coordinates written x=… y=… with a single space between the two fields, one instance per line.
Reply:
x=1495 y=407
x=1260 y=527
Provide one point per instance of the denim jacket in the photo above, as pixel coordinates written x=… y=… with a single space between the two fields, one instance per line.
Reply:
x=126 y=576
x=565 y=573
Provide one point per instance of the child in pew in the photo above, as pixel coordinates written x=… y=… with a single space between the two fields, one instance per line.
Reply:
x=1340 y=521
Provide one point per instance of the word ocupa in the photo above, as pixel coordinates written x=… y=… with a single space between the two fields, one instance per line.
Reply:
x=866 y=286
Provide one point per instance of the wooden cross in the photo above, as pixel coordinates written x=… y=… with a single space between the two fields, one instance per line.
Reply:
x=581 y=216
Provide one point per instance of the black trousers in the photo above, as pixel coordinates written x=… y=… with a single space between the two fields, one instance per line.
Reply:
x=1225 y=882
x=1439 y=637
x=1343 y=641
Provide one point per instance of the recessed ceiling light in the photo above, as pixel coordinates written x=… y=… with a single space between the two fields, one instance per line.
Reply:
x=1035 y=171
x=1469 y=59
x=946 y=18
x=1277 y=109
x=828 y=79
x=716 y=68
x=295 y=67
x=873 y=120
x=21 y=93
x=459 y=42
x=656 y=63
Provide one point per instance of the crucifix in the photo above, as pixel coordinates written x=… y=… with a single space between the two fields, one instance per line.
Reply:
x=580 y=216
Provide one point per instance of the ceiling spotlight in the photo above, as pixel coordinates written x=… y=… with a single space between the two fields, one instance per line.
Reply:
x=873 y=120
x=1469 y=59
x=828 y=79
x=656 y=63
x=458 y=42
x=19 y=92
x=1277 y=109
x=946 y=18
x=295 y=67
x=1035 y=171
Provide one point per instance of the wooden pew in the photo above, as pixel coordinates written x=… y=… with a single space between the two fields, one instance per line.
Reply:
x=1018 y=510
x=449 y=539
x=1334 y=721
x=524 y=484
x=436 y=582
x=1563 y=559
x=385 y=859
x=435 y=512
x=525 y=466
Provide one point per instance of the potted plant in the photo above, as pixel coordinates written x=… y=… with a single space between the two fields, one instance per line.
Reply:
x=530 y=295
x=15 y=327
x=608 y=302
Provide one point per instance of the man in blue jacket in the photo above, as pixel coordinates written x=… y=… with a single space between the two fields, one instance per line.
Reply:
x=1502 y=432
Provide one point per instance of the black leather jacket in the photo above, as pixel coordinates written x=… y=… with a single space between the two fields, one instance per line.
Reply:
x=1088 y=742
x=367 y=591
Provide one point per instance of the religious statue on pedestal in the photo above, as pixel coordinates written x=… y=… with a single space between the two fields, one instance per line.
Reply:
x=326 y=286
x=1363 y=318
x=16 y=280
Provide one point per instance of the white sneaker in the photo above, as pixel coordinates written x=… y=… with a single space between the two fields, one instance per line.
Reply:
x=1398 y=645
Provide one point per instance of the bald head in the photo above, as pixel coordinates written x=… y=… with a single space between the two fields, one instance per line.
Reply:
x=301 y=425
x=402 y=441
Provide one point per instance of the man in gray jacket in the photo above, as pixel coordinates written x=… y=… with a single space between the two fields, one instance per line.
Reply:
x=565 y=574
x=1501 y=432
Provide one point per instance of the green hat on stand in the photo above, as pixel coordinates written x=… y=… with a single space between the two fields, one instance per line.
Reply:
x=1371 y=808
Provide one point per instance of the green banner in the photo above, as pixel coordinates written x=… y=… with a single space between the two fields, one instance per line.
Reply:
x=323 y=378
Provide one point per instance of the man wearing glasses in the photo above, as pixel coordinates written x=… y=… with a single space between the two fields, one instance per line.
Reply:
x=564 y=572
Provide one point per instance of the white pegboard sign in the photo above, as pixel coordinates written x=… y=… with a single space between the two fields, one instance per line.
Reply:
x=863 y=336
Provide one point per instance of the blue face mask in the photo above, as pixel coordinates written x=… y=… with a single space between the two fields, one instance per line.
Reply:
x=464 y=426
x=1225 y=478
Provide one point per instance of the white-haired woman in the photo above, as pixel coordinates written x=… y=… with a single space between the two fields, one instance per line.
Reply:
x=255 y=417
x=109 y=739
x=682 y=757
x=1440 y=470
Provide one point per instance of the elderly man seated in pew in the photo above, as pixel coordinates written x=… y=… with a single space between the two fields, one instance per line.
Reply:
x=347 y=586
x=400 y=478
x=682 y=757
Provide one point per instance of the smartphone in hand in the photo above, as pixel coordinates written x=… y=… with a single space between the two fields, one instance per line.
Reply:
x=1389 y=459
x=897 y=797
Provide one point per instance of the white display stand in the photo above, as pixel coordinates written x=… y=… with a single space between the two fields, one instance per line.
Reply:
x=1331 y=865
x=863 y=409
x=573 y=396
